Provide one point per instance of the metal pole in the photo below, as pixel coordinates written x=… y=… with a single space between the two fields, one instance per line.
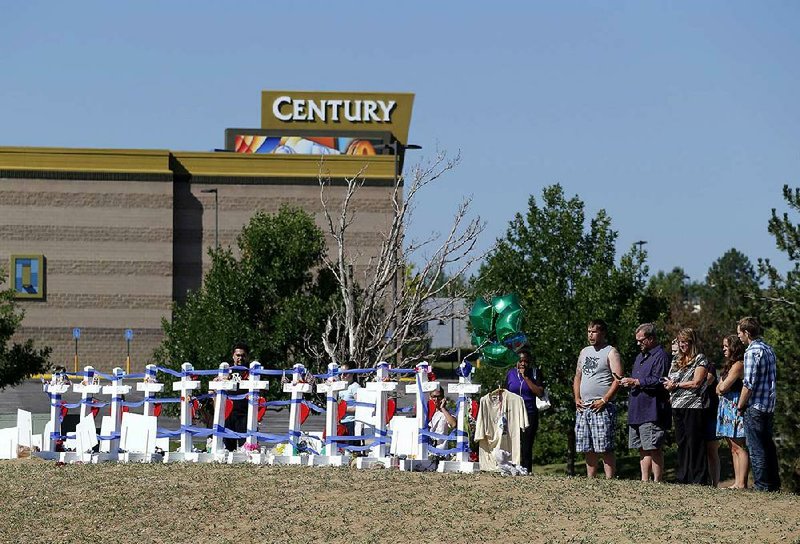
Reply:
x=128 y=359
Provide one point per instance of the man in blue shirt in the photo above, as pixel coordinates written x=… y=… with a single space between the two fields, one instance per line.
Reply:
x=648 y=408
x=757 y=404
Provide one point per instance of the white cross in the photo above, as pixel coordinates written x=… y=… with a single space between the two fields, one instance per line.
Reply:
x=465 y=389
x=254 y=384
x=297 y=388
x=330 y=387
x=420 y=388
x=116 y=390
x=221 y=384
x=186 y=385
x=87 y=388
x=54 y=391
x=149 y=386
x=382 y=386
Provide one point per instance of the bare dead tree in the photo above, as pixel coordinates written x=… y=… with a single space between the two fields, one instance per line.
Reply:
x=382 y=313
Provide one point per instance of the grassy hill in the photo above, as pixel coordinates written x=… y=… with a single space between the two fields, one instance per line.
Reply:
x=44 y=502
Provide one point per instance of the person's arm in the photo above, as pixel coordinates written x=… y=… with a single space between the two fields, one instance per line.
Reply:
x=576 y=387
x=652 y=381
x=535 y=388
x=735 y=373
x=615 y=362
x=350 y=396
x=697 y=380
x=743 y=399
x=442 y=407
x=750 y=374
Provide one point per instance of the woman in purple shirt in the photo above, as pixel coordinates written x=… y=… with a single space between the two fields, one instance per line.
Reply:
x=526 y=381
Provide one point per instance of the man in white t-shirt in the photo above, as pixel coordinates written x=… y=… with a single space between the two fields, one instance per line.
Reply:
x=442 y=421
x=349 y=395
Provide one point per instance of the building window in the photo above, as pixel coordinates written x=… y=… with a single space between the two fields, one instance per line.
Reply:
x=27 y=276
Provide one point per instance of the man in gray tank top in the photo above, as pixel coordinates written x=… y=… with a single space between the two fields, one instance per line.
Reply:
x=594 y=388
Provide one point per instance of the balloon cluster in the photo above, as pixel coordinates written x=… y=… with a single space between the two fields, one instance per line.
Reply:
x=495 y=329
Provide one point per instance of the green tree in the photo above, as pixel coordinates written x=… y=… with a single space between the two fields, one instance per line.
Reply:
x=275 y=297
x=17 y=361
x=677 y=297
x=731 y=290
x=711 y=308
x=782 y=317
x=566 y=275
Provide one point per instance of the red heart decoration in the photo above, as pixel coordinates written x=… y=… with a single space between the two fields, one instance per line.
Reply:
x=391 y=408
x=262 y=408
x=431 y=409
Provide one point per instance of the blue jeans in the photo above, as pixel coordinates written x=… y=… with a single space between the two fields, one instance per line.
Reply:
x=763 y=455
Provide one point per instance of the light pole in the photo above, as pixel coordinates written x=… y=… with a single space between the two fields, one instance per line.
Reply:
x=216 y=214
x=398 y=149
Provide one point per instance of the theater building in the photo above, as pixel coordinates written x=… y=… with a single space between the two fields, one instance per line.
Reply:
x=106 y=240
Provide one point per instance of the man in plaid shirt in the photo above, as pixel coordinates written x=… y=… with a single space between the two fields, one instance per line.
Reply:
x=757 y=404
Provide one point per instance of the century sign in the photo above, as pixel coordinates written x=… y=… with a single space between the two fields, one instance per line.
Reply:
x=287 y=108
x=353 y=112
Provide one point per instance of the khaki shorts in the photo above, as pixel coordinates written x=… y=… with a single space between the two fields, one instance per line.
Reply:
x=646 y=436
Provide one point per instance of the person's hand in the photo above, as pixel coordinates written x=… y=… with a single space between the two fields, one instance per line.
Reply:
x=670 y=385
x=579 y=405
x=628 y=382
x=598 y=405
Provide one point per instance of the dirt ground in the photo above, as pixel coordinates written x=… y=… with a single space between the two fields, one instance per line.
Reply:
x=44 y=502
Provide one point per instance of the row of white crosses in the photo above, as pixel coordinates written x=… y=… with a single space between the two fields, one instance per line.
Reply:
x=87 y=388
x=225 y=383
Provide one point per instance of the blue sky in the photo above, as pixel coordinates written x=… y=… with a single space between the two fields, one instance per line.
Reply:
x=681 y=119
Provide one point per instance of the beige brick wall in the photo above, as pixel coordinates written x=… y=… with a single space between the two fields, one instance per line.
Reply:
x=108 y=247
x=103 y=348
x=119 y=252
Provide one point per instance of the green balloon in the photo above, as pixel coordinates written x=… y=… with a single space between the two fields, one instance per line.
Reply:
x=500 y=304
x=478 y=340
x=509 y=322
x=481 y=317
x=499 y=355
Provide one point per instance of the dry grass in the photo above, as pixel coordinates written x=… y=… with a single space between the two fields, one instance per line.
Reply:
x=43 y=502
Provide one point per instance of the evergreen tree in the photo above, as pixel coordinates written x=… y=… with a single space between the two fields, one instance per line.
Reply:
x=566 y=275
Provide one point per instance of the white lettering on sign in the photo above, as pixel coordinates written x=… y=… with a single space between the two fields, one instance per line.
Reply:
x=286 y=108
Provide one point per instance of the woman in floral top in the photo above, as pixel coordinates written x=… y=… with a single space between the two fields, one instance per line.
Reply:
x=686 y=384
x=729 y=422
